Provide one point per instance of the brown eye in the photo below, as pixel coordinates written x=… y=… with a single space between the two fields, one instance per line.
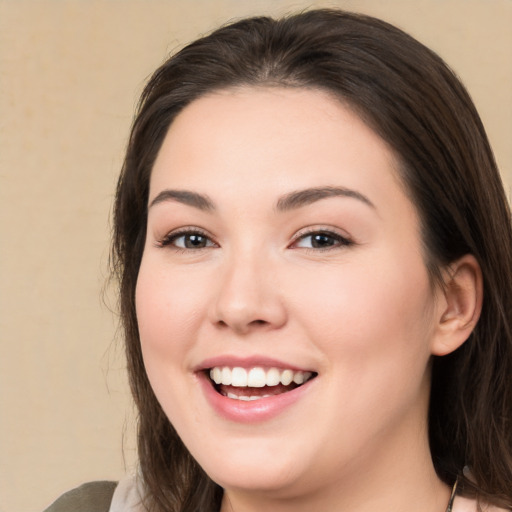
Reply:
x=321 y=240
x=188 y=240
x=194 y=241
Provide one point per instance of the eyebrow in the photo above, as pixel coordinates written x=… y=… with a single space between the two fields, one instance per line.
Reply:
x=290 y=201
x=301 y=198
x=200 y=201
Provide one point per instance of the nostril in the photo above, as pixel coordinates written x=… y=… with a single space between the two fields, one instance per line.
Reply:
x=241 y=327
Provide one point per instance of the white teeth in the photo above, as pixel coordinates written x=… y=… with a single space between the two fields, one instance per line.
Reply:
x=226 y=377
x=257 y=377
x=286 y=377
x=273 y=377
x=239 y=377
x=216 y=374
x=298 y=377
x=246 y=398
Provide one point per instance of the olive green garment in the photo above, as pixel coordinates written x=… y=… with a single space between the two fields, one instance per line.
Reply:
x=89 y=497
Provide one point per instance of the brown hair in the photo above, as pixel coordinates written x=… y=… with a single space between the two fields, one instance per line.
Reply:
x=408 y=95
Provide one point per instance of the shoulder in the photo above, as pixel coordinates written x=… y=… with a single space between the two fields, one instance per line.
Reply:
x=89 y=497
x=462 y=504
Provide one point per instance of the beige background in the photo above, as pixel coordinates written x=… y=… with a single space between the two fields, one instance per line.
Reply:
x=70 y=74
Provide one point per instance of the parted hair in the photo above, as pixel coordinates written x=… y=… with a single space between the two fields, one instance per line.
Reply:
x=414 y=102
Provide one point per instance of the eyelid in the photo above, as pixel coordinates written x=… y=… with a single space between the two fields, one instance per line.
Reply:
x=172 y=235
x=344 y=239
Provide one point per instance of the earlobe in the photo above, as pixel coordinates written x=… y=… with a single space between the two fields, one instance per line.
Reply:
x=459 y=305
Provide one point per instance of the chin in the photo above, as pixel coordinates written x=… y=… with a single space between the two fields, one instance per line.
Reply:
x=278 y=482
x=257 y=470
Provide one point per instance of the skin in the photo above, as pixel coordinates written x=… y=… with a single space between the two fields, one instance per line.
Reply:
x=363 y=314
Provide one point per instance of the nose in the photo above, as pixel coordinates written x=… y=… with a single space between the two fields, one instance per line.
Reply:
x=247 y=297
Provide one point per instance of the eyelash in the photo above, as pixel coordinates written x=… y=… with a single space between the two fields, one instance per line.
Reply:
x=339 y=240
x=170 y=239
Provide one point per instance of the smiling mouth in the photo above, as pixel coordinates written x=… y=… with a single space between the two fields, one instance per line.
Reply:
x=256 y=383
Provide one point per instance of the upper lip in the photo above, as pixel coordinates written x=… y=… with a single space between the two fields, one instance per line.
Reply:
x=248 y=362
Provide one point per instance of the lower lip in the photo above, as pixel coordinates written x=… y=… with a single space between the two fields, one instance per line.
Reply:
x=252 y=411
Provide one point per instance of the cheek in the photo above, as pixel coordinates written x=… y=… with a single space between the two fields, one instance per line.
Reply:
x=168 y=306
x=367 y=313
x=373 y=327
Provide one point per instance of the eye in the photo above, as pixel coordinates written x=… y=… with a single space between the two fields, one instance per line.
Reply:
x=320 y=240
x=190 y=239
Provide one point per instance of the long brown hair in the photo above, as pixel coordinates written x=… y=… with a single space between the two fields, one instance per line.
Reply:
x=408 y=95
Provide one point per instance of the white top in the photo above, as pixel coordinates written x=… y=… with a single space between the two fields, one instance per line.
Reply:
x=461 y=504
x=127 y=496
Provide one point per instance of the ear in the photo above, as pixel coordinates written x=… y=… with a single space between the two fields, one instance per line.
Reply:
x=459 y=305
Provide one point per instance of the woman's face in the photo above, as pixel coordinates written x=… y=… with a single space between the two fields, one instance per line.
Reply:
x=280 y=246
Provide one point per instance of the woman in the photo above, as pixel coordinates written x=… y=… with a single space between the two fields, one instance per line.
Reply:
x=314 y=251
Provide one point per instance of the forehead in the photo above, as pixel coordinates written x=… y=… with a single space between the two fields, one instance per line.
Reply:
x=275 y=137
